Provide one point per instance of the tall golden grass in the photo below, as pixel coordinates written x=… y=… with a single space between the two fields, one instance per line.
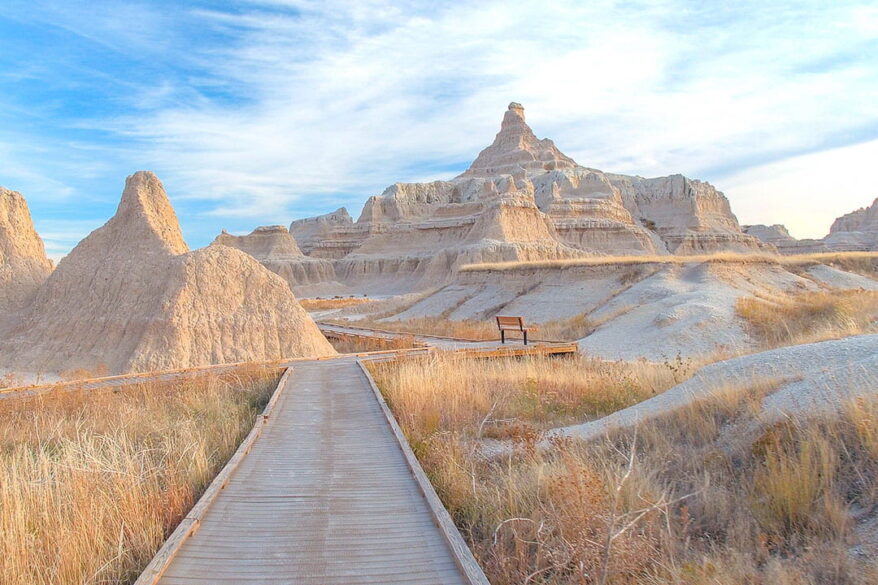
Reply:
x=361 y=344
x=805 y=317
x=674 y=502
x=499 y=398
x=862 y=260
x=439 y=326
x=92 y=482
x=335 y=303
x=569 y=329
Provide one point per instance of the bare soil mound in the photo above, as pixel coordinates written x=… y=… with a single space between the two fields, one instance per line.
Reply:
x=131 y=297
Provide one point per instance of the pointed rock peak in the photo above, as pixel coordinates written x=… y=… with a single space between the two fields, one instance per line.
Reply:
x=516 y=146
x=513 y=121
x=23 y=262
x=146 y=216
x=18 y=238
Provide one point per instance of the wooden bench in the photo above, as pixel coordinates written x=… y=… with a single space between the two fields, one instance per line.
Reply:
x=505 y=324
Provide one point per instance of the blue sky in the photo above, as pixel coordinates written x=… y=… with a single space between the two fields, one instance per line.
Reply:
x=260 y=112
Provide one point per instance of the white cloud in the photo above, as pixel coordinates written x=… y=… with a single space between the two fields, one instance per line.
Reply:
x=285 y=107
x=340 y=100
x=61 y=235
x=806 y=192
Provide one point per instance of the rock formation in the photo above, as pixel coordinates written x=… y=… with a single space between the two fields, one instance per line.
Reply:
x=271 y=241
x=276 y=249
x=778 y=236
x=521 y=199
x=332 y=235
x=517 y=148
x=131 y=297
x=690 y=216
x=23 y=262
x=855 y=231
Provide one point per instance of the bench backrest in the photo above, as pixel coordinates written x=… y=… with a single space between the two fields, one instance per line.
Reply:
x=516 y=323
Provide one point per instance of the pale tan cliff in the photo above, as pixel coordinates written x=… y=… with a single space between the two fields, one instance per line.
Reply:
x=778 y=236
x=332 y=235
x=276 y=249
x=270 y=241
x=418 y=234
x=131 y=297
x=855 y=231
x=23 y=262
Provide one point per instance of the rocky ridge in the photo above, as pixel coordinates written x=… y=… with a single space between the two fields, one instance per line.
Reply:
x=23 y=262
x=778 y=236
x=520 y=199
x=276 y=249
x=132 y=297
x=853 y=232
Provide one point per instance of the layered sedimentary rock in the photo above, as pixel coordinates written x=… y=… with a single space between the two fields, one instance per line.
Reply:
x=778 y=236
x=590 y=211
x=690 y=216
x=420 y=233
x=852 y=232
x=333 y=235
x=23 y=262
x=855 y=231
x=270 y=241
x=426 y=231
x=132 y=297
x=516 y=148
x=276 y=249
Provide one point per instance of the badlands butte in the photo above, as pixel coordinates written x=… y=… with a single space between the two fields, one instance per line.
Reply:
x=655 y=265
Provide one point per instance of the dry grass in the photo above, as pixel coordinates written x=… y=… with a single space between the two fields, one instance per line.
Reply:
x=807 y=317
x=467 y=329
x=858 y=261
x=100 y=371
x=570 y=329
x=92 y=482
x=499 y=398
x=667 y=504
x=362 y=344
x=334 y=303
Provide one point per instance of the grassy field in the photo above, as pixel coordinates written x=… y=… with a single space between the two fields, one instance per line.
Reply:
x=501 y=398
x=864 y=262
x=806 y=317
x=92 y=482
x=570 y=329
x=336 y=303
x=676 y=502
x=354 y=344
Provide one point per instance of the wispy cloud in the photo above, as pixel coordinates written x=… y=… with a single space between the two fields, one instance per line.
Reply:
x=261 y=111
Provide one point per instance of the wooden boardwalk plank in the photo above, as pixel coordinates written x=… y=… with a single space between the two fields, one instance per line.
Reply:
x=325 y=496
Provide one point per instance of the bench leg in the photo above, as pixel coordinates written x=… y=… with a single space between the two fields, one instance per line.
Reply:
x=502 y=336
x=525 y=337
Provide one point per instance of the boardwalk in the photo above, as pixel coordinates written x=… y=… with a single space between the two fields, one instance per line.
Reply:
x=325 y=496
x=325 y=490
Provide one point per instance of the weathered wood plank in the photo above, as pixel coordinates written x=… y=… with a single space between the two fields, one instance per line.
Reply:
x=326 y=496
x=463 y=557
x=157 y=566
